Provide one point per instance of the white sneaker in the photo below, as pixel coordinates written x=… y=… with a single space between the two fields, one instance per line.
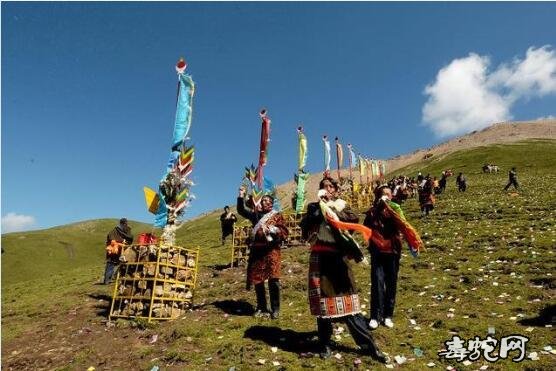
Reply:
x=388 y=323
x=373 y=324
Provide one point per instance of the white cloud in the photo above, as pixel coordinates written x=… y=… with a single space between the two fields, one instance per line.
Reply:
x=549 y=117
x=13 y=222
x=465 y=96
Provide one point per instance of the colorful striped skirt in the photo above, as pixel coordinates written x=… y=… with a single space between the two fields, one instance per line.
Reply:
x=332 y=290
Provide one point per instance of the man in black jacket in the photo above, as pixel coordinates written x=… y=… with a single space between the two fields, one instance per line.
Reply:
x=512 y=179
x=227 y=220
x=120 y=234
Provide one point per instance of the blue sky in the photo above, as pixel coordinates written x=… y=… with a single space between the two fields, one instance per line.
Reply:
x=88 y=91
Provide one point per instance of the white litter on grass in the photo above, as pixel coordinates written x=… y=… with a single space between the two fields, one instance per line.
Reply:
x=483 y=367
x=413 y=322
x=338 y=356
x=274 y=349
x=275 y=363
x=533 y=356
x=467 y=362
x=548 y=348
x=431 y=364
x=417 y=328
x=529 y=329
x=389 y=365
x=261 y=361
x=400 y=359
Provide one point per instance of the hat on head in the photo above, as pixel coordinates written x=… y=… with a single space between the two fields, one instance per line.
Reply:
x=123 y=221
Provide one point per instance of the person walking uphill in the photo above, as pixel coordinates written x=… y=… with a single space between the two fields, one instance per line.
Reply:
x=426 y=196
x=461 y=182
x=227 y=221
x=512 y=179
x=269 y=230
x=332 y=292
x=120 y=234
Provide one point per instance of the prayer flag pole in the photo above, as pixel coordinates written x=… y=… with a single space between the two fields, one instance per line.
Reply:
x=339 y=156
x=350 y=162
x=326 y=155
x=263 y=152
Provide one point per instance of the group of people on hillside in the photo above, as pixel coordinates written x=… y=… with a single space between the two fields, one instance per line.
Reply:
x=331 y=288
x=427 y=187
x=332 y=292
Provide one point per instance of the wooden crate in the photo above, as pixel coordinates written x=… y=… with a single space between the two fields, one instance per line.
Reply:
x=292 y=223
x=154 y=282
x=240 y=249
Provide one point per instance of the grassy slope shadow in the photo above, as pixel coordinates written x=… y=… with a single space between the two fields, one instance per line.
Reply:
x=104 y=302
x=547 y=316
x=302 y=343
x=235 y=307
x=285 y=339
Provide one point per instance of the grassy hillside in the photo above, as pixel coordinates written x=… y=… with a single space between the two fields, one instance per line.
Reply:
x=39 y=254
x=530 y=157
x=489 y=262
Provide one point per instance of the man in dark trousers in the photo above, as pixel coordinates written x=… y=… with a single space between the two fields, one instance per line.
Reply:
x=385 y=247
x=121 y=234
x=227 y=221
x=512 y=179
x=461 y=182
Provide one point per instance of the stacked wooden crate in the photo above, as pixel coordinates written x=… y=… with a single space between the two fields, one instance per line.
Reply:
x=292 y=223
x=154 y=282
x=240 y=249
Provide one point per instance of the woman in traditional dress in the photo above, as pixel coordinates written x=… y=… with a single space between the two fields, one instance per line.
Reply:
x=332 y=292
x=269 y=230
x=426 y=196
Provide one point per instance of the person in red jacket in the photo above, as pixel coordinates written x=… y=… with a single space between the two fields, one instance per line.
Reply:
x=268 y=233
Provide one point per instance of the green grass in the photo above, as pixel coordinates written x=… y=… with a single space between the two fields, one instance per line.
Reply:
x=34 y=255
x=489 y=257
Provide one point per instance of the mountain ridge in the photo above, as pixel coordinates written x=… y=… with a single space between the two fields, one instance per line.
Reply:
x=499 y=133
